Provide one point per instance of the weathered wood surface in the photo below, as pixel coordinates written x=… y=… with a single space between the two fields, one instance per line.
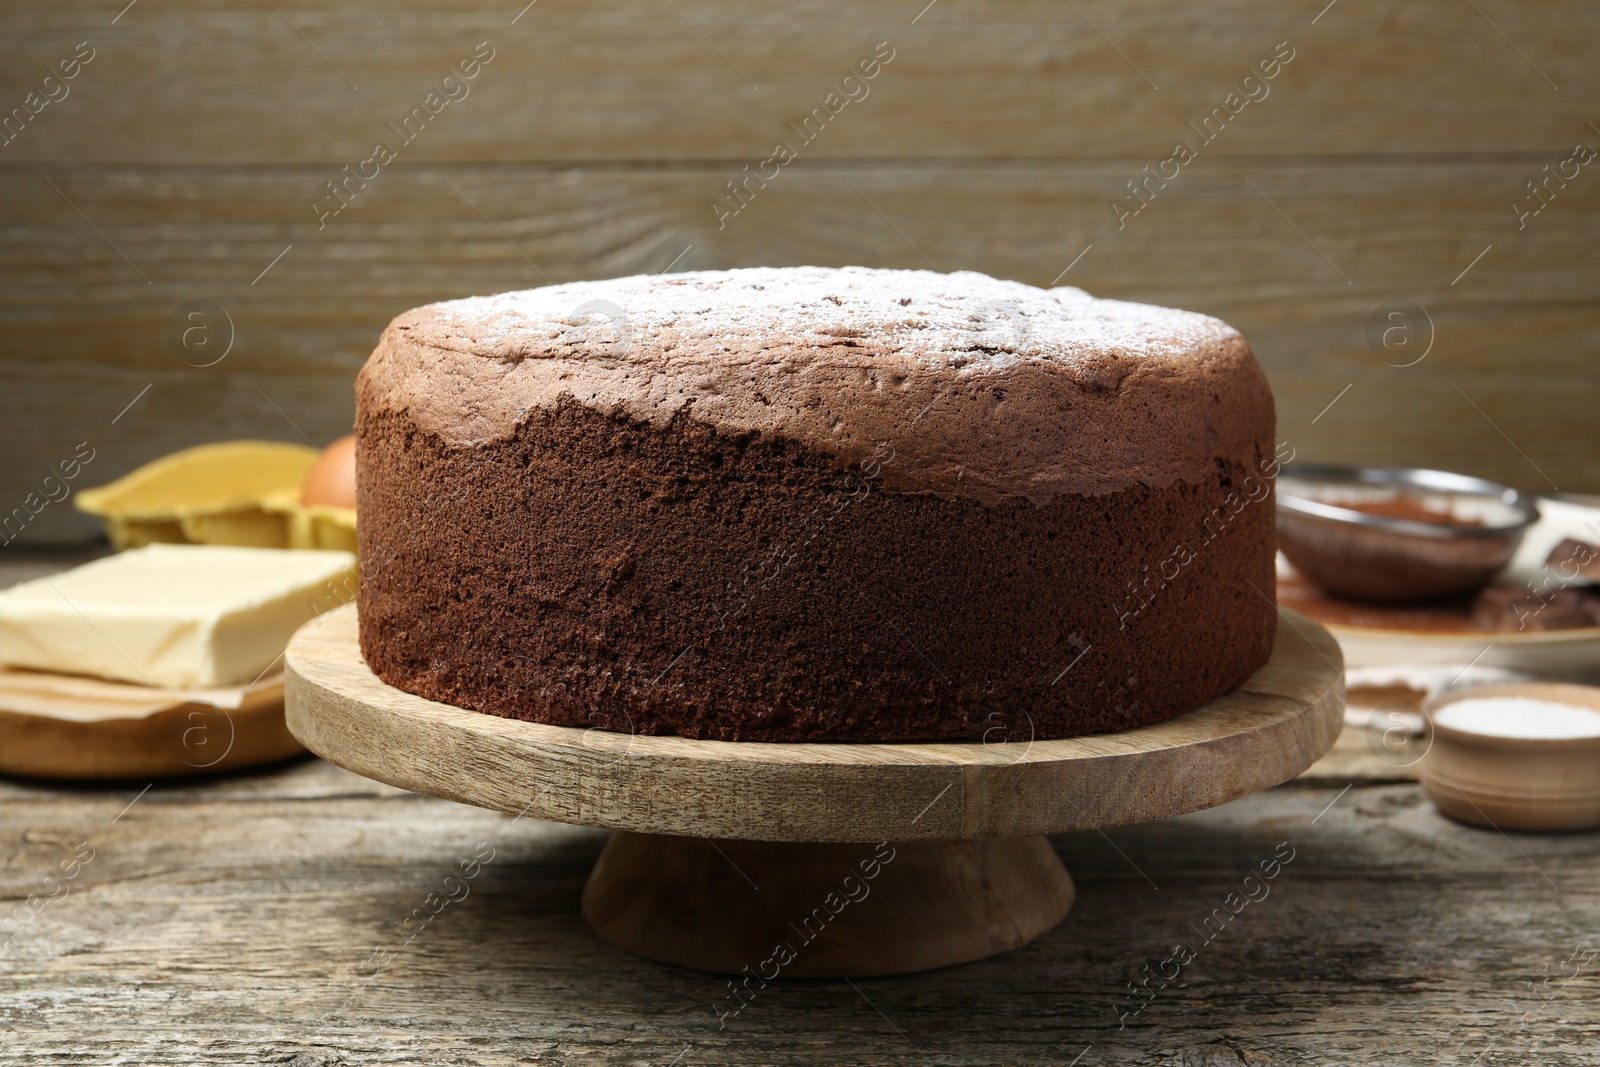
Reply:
x=1261 y=733
x=1017 y=78
x=1395 y=142
x=242 y=921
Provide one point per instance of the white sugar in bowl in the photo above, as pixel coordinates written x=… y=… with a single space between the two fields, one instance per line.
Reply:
x=1522 y=756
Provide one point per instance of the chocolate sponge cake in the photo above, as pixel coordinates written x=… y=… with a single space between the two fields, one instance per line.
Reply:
x=815 y=504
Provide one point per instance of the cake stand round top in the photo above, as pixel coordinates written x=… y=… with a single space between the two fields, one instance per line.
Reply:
x=1262 y=733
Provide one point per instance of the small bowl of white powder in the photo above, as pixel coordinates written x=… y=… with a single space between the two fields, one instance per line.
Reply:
x=1517 y=757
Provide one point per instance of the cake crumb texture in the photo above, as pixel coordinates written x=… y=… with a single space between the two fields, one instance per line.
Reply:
x=597 y=571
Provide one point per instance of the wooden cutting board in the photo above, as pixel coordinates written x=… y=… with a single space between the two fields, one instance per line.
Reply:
x=68 y=727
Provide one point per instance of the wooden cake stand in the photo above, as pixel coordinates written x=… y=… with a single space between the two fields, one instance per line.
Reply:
x=820 y=860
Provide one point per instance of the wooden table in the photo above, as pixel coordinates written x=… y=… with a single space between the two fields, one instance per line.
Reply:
x=286 y=917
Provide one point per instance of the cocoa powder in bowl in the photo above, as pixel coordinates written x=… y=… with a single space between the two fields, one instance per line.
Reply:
x=1397 y=535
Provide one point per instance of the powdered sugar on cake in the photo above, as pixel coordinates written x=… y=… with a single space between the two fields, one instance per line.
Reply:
x=985 y=388
x=938 y=318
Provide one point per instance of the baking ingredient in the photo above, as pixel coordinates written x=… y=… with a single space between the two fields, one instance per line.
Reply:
x=175 y=615
x=1506 y=716
x=1576 y=561
x=1408 y=508
x=333 y=480
x=1509 y=610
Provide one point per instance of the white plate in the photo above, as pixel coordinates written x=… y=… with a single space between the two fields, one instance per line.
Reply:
x=1568 y=653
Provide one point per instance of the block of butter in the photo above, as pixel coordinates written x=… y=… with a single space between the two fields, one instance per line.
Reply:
x=172 y=615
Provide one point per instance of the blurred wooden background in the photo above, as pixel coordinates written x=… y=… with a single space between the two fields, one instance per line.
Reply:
x=1385 y=160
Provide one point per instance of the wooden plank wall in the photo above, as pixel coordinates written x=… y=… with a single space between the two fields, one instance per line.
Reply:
x=1379 y=163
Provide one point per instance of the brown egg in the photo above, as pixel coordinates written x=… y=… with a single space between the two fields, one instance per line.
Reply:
x=333 y=479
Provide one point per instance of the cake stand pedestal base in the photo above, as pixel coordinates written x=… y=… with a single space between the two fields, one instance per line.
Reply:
x=823 y=910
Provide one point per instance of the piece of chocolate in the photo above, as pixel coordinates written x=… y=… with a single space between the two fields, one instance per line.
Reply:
x=1504 y=610
x=1575 y=562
